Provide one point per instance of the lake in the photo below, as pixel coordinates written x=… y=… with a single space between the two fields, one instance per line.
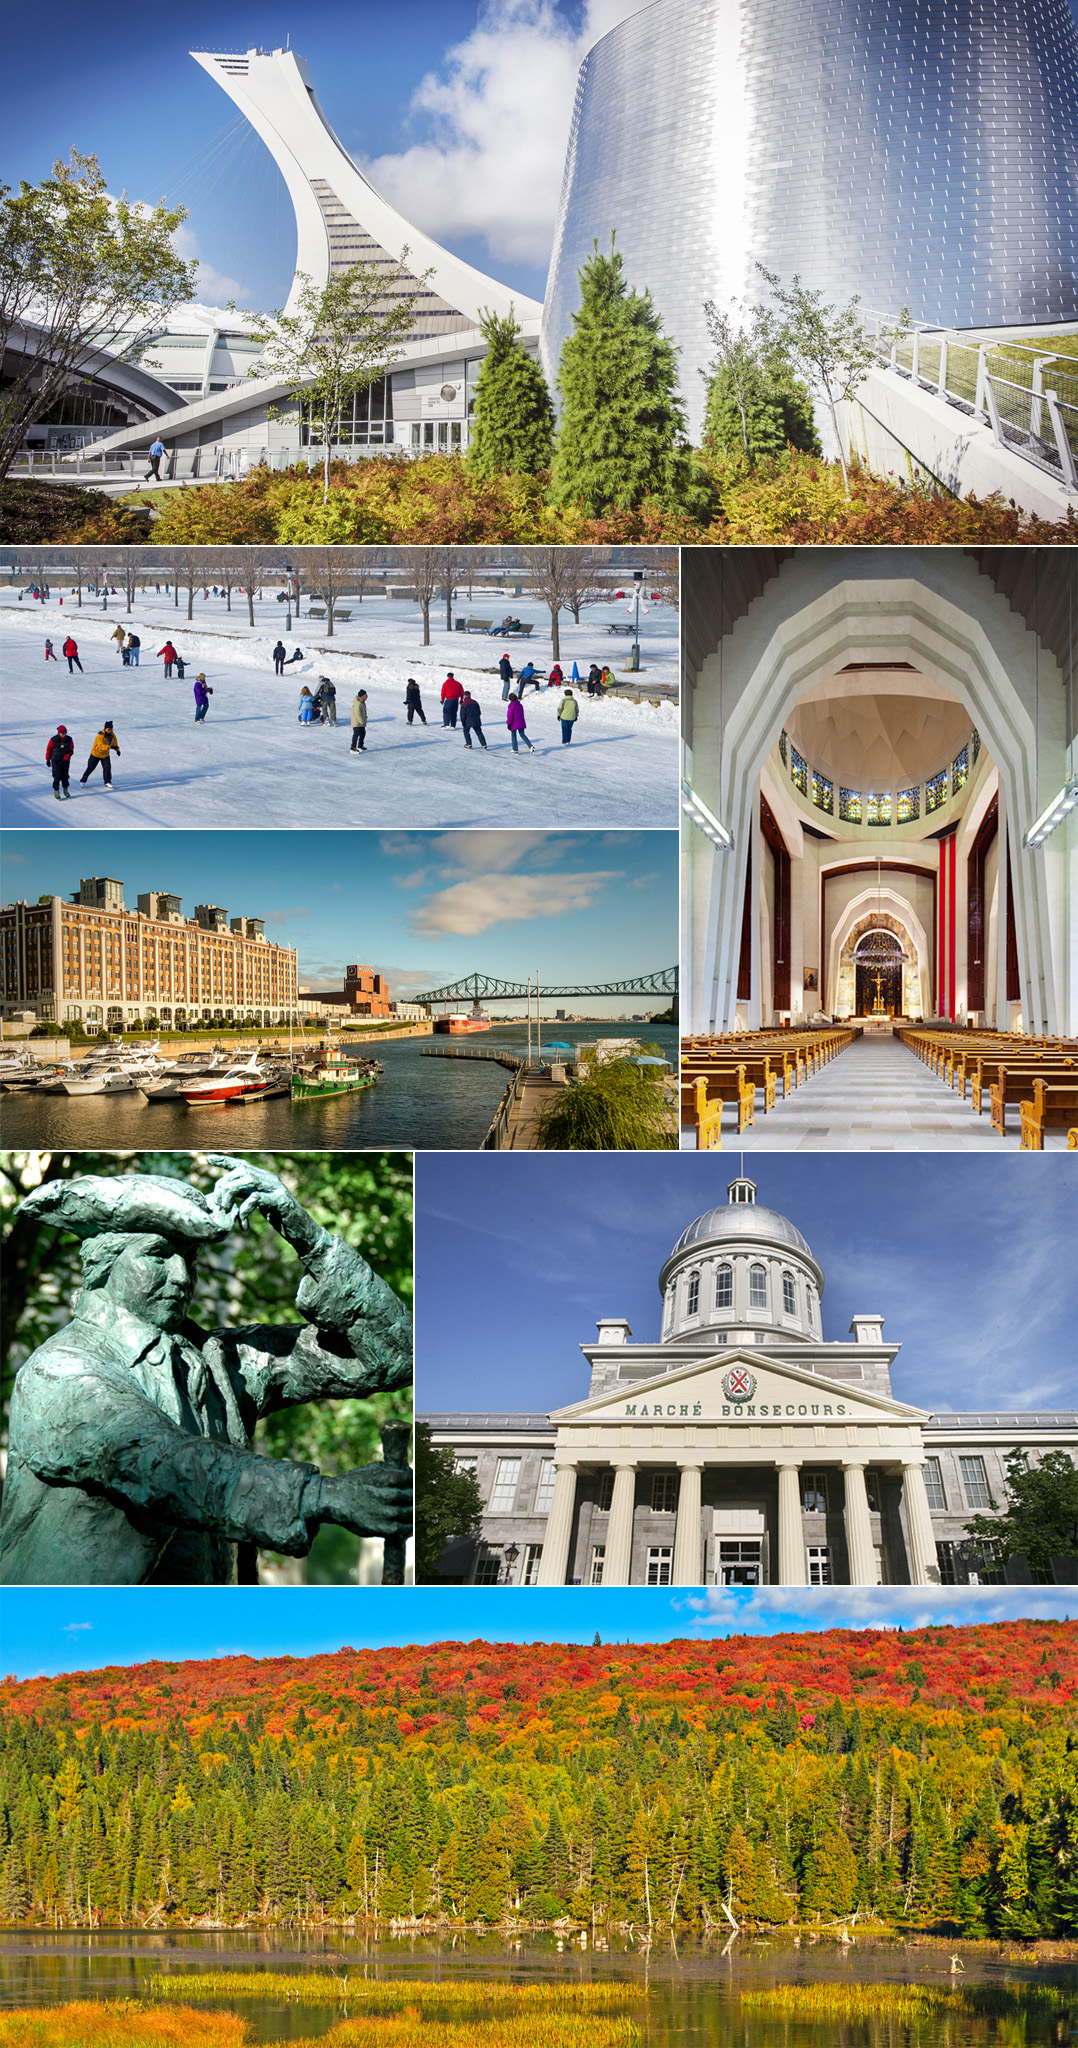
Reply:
x=693 y=1992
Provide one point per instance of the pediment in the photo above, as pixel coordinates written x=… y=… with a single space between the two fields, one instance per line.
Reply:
x=770 y=1390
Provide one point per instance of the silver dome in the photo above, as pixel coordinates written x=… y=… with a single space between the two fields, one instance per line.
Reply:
x=741 y=1219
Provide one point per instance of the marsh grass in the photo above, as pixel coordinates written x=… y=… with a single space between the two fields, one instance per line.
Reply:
x=904 y=2002
x=396 y=2016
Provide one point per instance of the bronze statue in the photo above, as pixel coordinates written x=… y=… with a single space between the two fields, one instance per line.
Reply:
x=130 y=1459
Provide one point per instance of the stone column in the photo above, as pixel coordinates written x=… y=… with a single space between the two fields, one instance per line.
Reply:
x=924 y=1570
x=791 y=1558
x=619 y=1529
x=859 y=1544
x=559 y=1527
x=687 y=1539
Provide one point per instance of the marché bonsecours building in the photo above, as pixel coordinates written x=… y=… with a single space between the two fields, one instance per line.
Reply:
x=743 y=1448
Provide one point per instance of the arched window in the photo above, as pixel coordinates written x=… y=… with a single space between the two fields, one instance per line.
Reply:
x=724 y=1287
x=789 y=1295
x=692 y=1295
x=757 y=1287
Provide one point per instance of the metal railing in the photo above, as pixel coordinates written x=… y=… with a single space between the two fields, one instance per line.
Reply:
x=1025 y=391
x=495 y=1140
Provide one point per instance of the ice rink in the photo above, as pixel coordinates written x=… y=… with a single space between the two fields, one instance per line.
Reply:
x=251 y=763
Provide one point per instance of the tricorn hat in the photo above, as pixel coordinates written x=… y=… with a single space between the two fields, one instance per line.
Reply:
x=147 y=1202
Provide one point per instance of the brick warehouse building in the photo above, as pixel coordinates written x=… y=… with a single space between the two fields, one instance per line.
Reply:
x=92 y=961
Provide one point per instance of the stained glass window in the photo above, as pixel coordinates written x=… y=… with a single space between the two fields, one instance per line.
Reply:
x=823 y=792
x=849 y=806
x=976 y=745
x=909 y=805
x=782 y=748
x=960 y=768
x=936 y=791
x=878 y=808
x=799 y=774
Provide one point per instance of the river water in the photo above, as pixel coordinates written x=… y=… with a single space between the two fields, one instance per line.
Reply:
x=693 y=1992
x=434 y=1104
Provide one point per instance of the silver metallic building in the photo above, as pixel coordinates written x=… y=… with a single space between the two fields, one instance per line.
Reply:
x=918 y=152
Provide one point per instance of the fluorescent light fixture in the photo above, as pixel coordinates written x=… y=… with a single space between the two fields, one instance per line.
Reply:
x=1057 y=810
x=696 y=809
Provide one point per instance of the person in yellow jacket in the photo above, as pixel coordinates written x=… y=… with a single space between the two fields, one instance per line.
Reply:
x=119 y=636
x=568 y=712
x=105 y=745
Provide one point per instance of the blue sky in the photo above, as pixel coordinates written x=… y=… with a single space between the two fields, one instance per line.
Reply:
x=969 y=1260
x=422 y=908
x=459 y=111
x=53 y=1629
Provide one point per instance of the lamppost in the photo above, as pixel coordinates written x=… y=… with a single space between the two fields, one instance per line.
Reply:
x=634 y=658
x=511 y=1553
x=288 y=598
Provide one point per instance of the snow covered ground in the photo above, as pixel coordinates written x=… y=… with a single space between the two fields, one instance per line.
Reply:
x=252 y=764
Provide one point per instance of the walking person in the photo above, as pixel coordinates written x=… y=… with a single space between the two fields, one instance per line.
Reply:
x=359 y=723
x=170 y=655
x=452 y=692
x=471 y=718
x=505 y=670
x=203 y=693
x=568 y=712
x=306 y=706
x=326 y=700
x=58 y=757
x=133 y=645
x=279 y=658
x=514 y=719
x=105 y=745
x=119 y=636
x=413 y=701
x=49 y=655
x=71 y=651
x=155 y=458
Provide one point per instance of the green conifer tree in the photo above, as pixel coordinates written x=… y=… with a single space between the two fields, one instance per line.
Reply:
x=512 y=425
x=621 y=431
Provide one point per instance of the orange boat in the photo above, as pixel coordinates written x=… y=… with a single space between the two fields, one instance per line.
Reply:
x=462 y=1020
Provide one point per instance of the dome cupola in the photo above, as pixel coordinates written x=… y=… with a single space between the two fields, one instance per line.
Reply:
x=742 y=1272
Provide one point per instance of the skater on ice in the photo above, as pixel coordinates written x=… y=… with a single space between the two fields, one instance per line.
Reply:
x=49 y=655
x=359 y=722
x=170 y=656
x=514 y=719
x=505 y=670
x=306 y=706
x=203 y=693
x=413 y=701
x=105 y=745
x=471 y=718
x=58 y=757
x=326 y=700
x=279 y=658
x=568 y=712
x=71 y=651
x=452 y=692
x=133 y=645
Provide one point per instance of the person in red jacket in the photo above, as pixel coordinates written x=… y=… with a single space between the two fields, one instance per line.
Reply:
x=58 y=757
x=170 y=655
x=452 y=692
x=70 y=648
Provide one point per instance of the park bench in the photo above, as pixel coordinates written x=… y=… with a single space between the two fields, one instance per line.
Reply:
x=625 y=631
x=318 y=611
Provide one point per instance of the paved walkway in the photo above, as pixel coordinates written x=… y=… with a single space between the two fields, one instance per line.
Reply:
x=875 y=1097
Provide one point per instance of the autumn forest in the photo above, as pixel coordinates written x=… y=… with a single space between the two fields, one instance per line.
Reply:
x=919 y=1779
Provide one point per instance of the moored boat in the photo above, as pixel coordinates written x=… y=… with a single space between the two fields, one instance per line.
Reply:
x=335 y=1073
x=247 y=1077
x=462 y=1020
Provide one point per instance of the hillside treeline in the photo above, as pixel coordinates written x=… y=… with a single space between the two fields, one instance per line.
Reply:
x=495 y=1784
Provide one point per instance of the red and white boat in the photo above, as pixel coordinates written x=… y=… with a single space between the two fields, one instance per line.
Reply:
x=462 y=1020
x=247 y=1077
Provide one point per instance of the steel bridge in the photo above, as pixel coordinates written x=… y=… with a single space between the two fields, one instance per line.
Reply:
x=484 y=987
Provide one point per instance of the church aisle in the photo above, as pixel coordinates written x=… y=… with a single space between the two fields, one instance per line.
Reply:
x=876 y=1097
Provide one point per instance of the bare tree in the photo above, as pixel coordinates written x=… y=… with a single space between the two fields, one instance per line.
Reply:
x=664 y=577
x=130 y=567
x=560 y=576
x=426 y=572
x=250 y=569
x=190 y=565
x=328 y=572
x=227 y=574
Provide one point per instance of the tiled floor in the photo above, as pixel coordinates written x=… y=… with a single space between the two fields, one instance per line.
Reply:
x=875 y=1097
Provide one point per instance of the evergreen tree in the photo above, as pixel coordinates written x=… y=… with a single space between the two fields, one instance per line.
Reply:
x=621 y=432
x=512 y=425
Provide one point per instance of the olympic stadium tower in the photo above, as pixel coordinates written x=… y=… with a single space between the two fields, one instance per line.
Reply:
x=917 y=152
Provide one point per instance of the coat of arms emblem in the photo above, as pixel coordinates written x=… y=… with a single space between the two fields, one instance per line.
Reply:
x=739 y=1384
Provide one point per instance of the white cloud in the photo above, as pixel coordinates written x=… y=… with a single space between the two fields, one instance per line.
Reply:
x=874 y=1606
x=74 y=1628
x=210 y=284
x=497 y=120
x=466 y=909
